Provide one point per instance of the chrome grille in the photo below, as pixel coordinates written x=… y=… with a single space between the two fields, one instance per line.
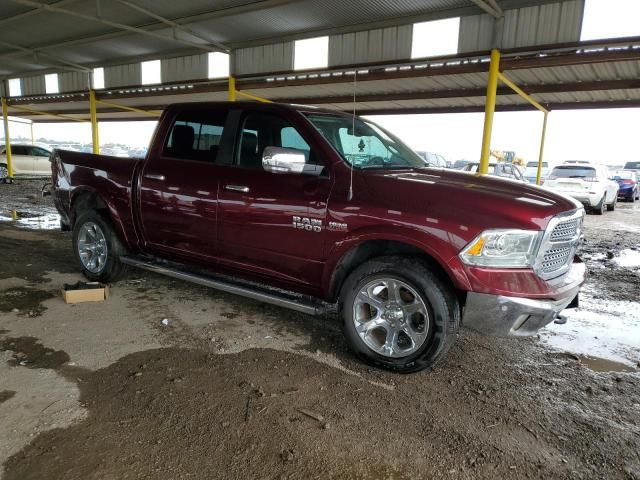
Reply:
x=566 y=230
x=559 y=245
x=556 y=258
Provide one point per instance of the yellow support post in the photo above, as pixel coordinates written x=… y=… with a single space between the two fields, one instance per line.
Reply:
x=490 y=108
x=540 y=157
x=232 y=88
x=95 y=137
x=7 y=138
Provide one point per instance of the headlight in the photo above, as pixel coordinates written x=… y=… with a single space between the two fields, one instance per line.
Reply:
x=503 y=249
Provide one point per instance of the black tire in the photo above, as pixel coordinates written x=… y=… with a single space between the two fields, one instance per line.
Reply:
x=438 y=296
x=601 y=207
x=112 y=269
x=613 y=204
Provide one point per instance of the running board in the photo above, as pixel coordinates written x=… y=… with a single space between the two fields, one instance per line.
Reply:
x=282 y=298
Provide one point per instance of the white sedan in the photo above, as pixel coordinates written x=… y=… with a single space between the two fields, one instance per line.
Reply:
x=26 y=160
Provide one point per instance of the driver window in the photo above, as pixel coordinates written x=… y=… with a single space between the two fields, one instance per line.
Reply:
x=264 y=130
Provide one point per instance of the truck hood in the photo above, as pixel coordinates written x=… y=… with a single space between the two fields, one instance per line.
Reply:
x=479 y=201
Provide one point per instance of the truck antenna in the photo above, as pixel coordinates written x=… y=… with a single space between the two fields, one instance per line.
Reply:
x=353 y=133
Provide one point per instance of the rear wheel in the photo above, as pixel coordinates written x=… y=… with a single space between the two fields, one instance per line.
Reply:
x=601 y=207
x=398 y=314
x=4 y=172
x=612 y=206
x=98 y=248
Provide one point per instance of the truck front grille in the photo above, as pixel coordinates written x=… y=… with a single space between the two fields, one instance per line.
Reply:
x=559 y=245
x=565 y=230
x=556 y=258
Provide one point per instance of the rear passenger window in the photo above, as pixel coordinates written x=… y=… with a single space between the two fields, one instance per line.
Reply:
x=19 y=150
x=196 y=136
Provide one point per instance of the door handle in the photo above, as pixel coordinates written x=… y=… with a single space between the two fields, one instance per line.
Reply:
x=154 y=176
x=237 y=188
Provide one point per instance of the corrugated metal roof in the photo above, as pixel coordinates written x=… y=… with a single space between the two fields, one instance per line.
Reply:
x=58 y=36
x=537 y=25
x=603 y=75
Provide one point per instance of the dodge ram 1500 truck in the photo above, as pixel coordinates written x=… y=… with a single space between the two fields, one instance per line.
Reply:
x=320 y=211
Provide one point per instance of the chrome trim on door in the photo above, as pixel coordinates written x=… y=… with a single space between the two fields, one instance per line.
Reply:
x=154 y=176
x=237 y=188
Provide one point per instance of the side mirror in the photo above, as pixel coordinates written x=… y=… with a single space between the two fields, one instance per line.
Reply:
x=287 y=160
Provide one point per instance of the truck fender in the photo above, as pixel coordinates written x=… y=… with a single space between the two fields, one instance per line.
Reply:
x=341 y=261
x=87 y=198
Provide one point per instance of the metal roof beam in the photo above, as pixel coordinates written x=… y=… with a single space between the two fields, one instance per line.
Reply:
x=34 y=11
x=489 y=7
x=119 y=26
x=175 y=25
x=220 y=13
x=60 y=63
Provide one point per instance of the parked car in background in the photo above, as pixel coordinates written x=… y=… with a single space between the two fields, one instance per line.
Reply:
x=434 y=159
x=628 y=183
x=504 y=170
x=460 y=164
x=531 y=172
x=633 y=166
x=589 y=184
x=26 y=159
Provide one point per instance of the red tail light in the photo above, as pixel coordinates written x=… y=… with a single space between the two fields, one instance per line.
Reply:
x=628 y=182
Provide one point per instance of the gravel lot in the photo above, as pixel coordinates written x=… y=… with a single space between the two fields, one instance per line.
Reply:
x=232 y=388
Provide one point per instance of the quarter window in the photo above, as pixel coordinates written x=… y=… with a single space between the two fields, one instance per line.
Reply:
x=196 y=136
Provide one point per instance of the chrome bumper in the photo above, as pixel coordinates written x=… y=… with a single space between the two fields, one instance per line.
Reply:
x=504 y=316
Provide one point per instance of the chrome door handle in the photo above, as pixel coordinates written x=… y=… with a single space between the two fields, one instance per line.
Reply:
x=154 y=176
x=237 y=188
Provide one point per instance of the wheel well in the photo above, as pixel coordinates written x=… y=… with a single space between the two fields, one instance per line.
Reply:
x=86 y=201
x=378 y=248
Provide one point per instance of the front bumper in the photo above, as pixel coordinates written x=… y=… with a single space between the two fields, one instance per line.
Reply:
x=502 y=315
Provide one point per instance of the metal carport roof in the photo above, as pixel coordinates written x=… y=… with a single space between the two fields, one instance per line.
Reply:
x=539 y=39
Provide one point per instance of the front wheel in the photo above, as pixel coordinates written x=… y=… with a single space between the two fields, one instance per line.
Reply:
x=398 y=314
x=4 y=172
x=97 y=248
x=601 y=207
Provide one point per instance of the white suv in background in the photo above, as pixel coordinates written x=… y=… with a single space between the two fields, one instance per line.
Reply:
x=588 y=183
x=26 y=160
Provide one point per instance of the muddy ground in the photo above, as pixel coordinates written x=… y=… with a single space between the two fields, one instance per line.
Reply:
x=232 y=388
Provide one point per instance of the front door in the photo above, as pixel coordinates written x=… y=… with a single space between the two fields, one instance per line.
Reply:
x=179 y=187
x=40 y=158
x=271 y=223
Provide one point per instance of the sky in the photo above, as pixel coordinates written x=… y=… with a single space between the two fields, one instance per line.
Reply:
x=603 y=136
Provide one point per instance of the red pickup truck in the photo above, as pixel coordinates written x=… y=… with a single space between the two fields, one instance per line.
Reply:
x=321 y=211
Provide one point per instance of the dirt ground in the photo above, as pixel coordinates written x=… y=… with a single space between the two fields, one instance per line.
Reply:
x=230 y=388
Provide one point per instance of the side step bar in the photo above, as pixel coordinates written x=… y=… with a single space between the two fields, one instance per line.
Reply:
x=279 y=298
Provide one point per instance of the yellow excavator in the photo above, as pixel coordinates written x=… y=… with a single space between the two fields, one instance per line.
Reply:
x=508 y=157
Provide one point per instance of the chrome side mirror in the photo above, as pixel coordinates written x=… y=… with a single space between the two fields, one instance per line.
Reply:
x=288 y=160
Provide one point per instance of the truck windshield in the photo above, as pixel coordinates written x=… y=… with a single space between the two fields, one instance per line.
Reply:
x=368 y=147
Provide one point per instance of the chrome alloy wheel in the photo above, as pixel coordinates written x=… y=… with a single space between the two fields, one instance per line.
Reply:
x=92 y=247
x=4 y=172
x=390 y=317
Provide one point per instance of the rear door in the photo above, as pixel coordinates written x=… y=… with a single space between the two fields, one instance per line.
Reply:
x=21 y=160
x=179 y=186
x=272 y=223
